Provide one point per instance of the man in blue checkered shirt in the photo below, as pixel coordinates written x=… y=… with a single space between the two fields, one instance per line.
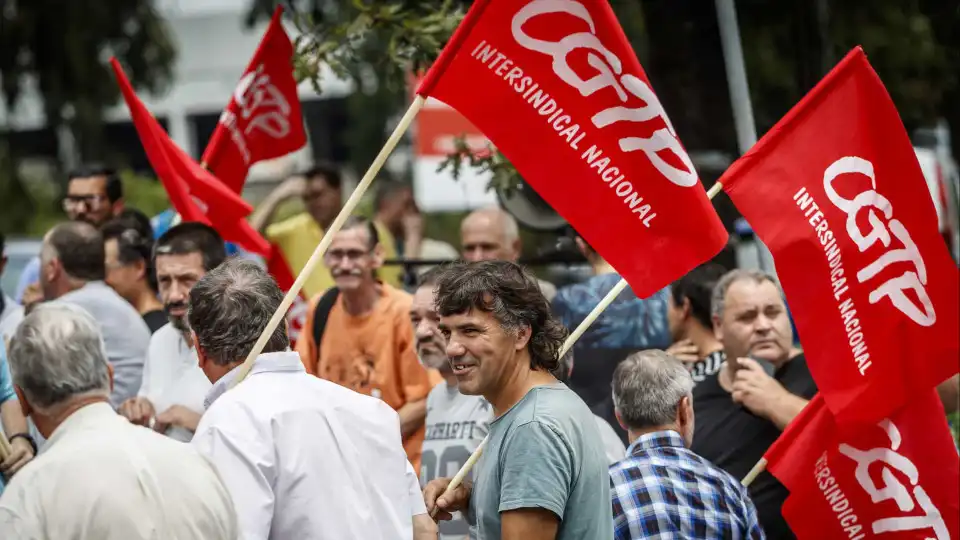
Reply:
x=662 y=489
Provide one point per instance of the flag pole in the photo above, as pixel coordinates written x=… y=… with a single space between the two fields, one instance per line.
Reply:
x=758 y=468
x=567 y=345
x=325 y=242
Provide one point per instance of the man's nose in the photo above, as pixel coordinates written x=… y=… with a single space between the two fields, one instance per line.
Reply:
x=764 y=324
x=455 y=349
x=424 y=331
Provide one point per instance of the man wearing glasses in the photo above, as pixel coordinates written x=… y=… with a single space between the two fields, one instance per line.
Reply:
x=358 y=334
x=95 y=196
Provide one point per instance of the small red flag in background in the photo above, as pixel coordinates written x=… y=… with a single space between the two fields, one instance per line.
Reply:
x=184 y=181
x=835 y=191
x=559 y=91
x=895 y=479
x=263 y=119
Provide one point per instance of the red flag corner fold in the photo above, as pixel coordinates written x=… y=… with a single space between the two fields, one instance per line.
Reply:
x=557 y=88
x=836 y=192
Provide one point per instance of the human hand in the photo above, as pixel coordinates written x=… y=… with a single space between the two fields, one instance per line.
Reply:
x=412 y=223
x=20 y=454
x=178 y=416
x=440 y=506
x=292 y=187
x=684 y=351
x=754 y=389
x=137 y=410
x=32 y=295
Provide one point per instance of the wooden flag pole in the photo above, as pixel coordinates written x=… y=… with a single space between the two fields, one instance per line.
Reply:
x=335 y=227
x=567 y=345
x=754 y=472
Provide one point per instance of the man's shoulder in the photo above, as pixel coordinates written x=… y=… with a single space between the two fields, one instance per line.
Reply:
x=295 y=224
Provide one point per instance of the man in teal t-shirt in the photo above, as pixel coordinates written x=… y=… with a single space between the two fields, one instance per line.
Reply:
x=543 y=473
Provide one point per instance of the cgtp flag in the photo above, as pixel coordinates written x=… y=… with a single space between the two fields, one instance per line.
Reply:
x=263 y=119
x=557 y=88
x=895 y=479
x=835 y=191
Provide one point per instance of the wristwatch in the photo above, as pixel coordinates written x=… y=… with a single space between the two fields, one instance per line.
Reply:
x=26 y=437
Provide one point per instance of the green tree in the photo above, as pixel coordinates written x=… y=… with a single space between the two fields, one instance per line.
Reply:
x=60 y=49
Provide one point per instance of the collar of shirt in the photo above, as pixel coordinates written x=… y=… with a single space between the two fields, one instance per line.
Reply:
x=657 y=439
x=95 y=414
x=277 y=362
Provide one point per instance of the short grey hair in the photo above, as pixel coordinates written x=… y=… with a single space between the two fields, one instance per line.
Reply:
x=717 y=303
x=229 y=309
x=58 y=353
x=647 y=388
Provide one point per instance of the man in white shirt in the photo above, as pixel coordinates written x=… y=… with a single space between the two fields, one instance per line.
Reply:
x=303 y=457
x=456 y=423
x=99 y=477
x=171 y=396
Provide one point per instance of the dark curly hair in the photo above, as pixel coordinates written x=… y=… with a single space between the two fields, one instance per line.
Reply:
x=512 y=296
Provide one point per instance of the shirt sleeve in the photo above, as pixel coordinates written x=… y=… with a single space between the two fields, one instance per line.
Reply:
x=537 y=470
x=308 y=350
x=6 y=381
x=417 y=506
x=246 y=465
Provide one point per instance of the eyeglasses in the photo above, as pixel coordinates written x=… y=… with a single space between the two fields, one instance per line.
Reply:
x=71 y=203
x=349 y=254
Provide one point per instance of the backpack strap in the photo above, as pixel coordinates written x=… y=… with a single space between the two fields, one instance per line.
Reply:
x=322 y=313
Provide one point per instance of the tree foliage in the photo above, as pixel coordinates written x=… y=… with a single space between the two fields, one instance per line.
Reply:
x=59 y=50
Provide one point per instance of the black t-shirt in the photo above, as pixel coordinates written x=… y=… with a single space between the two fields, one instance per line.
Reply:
x=155 y=320
x=734 y=439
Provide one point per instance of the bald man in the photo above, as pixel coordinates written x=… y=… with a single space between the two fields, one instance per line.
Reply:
x=490 y=234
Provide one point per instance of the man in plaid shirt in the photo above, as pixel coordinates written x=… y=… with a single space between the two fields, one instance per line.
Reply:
x=662 y=489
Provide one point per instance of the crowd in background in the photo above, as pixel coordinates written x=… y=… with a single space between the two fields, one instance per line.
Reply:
x=730 y=361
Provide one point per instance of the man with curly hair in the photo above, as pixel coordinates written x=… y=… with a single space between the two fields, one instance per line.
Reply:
x=543 y=474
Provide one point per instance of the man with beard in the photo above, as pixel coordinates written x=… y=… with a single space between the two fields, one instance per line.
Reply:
x=171 y=396
x=456 y=423
x=94 y=196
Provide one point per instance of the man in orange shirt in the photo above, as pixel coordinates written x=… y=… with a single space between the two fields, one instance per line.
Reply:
x=365 y=333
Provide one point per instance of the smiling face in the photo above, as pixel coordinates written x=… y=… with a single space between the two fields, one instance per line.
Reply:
x=754 y=322
x=430 y=342
x=351 y=258
x=483 y=355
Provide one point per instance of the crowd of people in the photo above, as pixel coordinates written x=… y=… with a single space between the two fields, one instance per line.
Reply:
x=120 y=398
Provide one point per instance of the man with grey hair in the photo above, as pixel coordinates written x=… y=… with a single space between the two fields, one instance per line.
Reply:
x=662 y=487
x=760 y=387
x=72 y=270
x=99 y=477
x=303 y=457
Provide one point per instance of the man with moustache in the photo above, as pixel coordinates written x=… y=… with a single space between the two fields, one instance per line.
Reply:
x=742 y=408
x=367 y=340
x=456 y=423
x=171 y=396
x=543 y=474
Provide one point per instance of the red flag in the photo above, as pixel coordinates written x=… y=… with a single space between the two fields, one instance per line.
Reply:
x=559 y=91
x=153 y=138
x=895 y=479
x=194 y=193
x=835 y=191
x=263 y=119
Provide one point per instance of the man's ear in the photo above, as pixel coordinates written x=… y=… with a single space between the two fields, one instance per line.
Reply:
x=717 y=328
x=581 y=246
x=620 y=420
x=24 y=404
x=110 y=373
x=201 y=355
x=117 y=208
x=377 y=257
x=141 y=267
x=686 y=310
x=523 y=338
